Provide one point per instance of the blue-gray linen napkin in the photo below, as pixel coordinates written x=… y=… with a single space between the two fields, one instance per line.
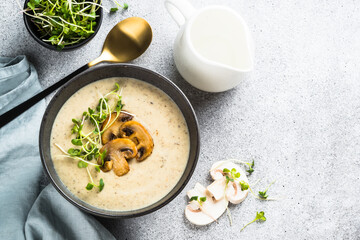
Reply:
x=26 y=211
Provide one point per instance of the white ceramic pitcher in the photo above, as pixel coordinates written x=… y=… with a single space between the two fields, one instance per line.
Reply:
x=213 y=50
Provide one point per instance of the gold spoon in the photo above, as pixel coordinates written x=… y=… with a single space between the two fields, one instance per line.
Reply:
x=125 y=42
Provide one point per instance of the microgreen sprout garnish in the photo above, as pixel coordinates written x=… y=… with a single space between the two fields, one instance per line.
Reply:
x=200 y=200
x=244 y=185
x=260 y=217
x=251 y=166
x=124 y=6
x=263 y=194
x=87 y=145
x=91 y=184
x=232 y=176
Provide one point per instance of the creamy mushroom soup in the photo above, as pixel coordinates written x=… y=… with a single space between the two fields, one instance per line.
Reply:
x=147 y=181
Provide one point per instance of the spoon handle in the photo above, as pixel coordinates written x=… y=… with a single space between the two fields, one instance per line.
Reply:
x=18 y=110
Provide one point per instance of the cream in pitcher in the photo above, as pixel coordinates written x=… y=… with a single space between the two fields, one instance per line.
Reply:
x=213 y=50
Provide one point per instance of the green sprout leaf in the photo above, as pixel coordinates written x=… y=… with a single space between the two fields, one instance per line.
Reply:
x=82 y=164
x=76 y=121
x=244 y=185
x=229 y=179
x=89 y=186
x=260 y=217
x=60 y=47
x=30 y=5
x=200 y=200
x=251 y=167
x=117 y=87
x=97 y=168
x=102 y=156
x=125 y=6
x=119 y=106
x=263 y=194
x=74 y=152
x=194 y=198
x=77 y=142
x=101 y=184
x=225 y=170
x=233 y=175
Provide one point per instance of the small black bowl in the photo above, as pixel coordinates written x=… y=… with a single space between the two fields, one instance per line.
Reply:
x=33 y=30
x=109 y=71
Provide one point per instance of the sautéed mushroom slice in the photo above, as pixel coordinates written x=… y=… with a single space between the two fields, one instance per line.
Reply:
x=117 y=151
x=113 y=131
x=140 y=136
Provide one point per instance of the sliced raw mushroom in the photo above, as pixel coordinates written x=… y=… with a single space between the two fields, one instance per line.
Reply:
x=233 y=191
x=217 y=188
x=117 y=151
x=234 y=194
x=217 y=168
x=113 y=131
x=140 y=136
x=208 y=211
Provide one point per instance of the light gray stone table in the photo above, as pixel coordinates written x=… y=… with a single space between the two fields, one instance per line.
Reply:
x=297 y=115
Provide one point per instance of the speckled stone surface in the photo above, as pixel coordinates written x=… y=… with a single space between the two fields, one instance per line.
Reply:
x=297 y=115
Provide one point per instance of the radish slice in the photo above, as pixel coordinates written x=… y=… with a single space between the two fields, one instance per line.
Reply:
x=216 y=169
x=210 y=209
x=217 y=188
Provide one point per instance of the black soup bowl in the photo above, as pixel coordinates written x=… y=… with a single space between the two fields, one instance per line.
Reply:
x=108 y=71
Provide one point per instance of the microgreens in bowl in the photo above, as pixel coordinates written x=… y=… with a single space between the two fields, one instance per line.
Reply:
x=87 y=144
x=64 y=22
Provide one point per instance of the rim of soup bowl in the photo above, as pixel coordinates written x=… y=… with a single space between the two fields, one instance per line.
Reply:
x=104 y=71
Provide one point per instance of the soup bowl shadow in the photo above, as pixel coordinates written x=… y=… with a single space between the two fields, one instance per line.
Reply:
x=108 y=71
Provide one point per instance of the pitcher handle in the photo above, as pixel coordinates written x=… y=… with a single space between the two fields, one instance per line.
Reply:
x=180 y=10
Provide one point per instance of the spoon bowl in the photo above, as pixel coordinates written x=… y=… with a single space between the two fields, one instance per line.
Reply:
x=126 y=41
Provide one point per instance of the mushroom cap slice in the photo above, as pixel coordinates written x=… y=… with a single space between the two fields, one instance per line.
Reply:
x=217 y=188
x=140 y=136
x=113 y=131
x=210 y=209
x=117 y=151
